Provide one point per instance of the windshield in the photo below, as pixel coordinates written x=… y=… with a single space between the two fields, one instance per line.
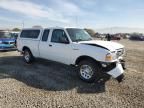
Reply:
x=77 y=35
x=14 y=35
x=5 y=35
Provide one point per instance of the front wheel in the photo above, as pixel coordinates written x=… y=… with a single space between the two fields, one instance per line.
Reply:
x=27 y=56
x=89 y=70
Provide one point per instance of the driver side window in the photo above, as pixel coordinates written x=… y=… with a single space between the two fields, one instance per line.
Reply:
x=59 y=36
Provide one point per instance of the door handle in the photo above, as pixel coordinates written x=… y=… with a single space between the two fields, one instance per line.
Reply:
x=50 y=45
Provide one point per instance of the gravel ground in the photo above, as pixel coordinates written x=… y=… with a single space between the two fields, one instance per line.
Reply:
x=49 y=84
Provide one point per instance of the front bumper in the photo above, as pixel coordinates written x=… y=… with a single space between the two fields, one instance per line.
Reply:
x=7 y=47
x=120 y=78
x=115 y=70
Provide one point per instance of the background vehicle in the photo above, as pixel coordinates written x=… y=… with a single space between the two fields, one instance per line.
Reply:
x=115 y=37
x=73 y=46
x=137 y=37
x=6 y=41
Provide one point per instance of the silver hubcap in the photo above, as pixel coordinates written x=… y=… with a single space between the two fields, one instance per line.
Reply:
x=27 y=56
x=86 y=71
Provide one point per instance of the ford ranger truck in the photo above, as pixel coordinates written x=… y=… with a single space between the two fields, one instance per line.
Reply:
x=73 y=46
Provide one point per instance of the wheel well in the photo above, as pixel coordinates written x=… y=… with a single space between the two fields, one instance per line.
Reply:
x=25 y=48
x=84 y=58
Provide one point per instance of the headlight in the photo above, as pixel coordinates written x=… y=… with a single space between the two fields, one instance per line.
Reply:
x=114 y=55
x=0 y=42
x=109 y=57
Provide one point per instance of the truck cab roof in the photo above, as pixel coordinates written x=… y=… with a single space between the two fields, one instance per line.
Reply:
x=40 y=28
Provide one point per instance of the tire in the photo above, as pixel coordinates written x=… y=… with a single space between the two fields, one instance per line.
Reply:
x=27 y=56
x=89 y=71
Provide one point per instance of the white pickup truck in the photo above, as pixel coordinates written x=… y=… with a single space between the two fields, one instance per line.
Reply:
x=73 y=46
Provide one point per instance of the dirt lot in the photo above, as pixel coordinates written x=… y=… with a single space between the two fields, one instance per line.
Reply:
x=50 y=84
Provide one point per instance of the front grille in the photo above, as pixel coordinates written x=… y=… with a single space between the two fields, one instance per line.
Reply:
x=120 y=52
x=8 y=42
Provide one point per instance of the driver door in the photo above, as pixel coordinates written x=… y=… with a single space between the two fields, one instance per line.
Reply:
x=60 y=47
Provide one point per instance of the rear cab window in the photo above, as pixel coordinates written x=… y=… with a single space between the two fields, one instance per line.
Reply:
x=45 y=35
x=33 y=34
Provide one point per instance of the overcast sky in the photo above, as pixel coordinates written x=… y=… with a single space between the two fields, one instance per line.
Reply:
x=81 y=13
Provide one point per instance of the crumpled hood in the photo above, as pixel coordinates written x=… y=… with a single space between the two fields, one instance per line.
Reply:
x=112 y=46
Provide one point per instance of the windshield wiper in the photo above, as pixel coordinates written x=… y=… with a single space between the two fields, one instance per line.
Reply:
x=78 y=40
x=89 y=39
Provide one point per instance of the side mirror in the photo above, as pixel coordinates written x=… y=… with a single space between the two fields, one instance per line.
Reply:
x=64 y=40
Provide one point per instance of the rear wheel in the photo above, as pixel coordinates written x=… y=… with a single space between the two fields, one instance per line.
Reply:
x=89 y=70
x=28 y=57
